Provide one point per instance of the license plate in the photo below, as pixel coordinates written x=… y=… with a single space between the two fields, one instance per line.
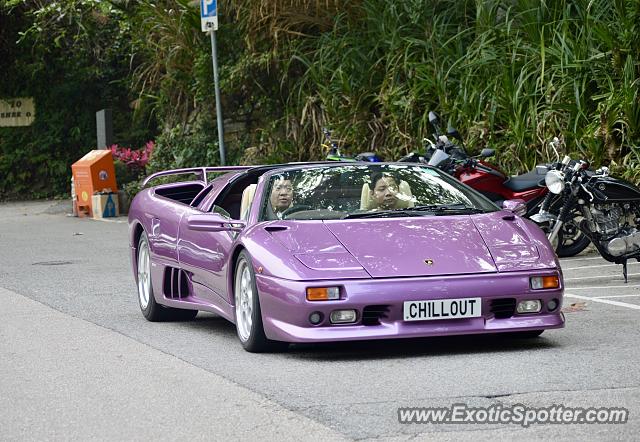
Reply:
x=442 y=309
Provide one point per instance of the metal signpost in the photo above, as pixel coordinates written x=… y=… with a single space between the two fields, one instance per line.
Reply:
x=209 y=23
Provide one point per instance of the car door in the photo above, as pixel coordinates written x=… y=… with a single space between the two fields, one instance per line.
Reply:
x=204 y=255
x=163 y=230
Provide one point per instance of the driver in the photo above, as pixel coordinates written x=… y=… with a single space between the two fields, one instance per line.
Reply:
x=385 y=190
x=281 y=196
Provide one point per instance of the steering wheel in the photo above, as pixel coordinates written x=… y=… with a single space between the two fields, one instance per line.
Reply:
x=294 y=209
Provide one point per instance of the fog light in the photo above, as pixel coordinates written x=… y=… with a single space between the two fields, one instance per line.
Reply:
x=545 y=282
x=552 y=305
x=529 y=306
x=343 y=316
x=323 y=293
x=315 y=318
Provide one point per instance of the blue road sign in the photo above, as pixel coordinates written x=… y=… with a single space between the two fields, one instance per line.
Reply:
x=208 y=8
x=209 y=15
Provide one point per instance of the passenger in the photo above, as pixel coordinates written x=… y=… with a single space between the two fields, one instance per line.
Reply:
x=281 y=196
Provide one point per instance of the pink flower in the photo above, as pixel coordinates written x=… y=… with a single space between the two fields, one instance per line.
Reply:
x=136 y=159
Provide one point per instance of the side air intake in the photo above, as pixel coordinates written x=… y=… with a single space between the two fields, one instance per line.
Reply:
x=176 y=283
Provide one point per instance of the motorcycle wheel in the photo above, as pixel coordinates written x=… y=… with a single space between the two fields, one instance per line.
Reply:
x=571 y=240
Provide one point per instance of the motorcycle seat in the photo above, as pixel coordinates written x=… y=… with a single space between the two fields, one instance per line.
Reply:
x=526 y=181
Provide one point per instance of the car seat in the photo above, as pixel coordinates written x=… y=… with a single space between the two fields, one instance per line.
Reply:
x=247 y=197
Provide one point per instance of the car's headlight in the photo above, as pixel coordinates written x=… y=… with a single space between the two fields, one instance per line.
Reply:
x=554 y=179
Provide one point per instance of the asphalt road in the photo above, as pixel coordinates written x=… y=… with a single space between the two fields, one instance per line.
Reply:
x=78 y=361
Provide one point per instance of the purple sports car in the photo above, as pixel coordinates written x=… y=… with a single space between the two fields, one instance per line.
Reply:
x=340 y=251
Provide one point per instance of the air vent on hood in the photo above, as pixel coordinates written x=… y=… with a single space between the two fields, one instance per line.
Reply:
x=275 y=228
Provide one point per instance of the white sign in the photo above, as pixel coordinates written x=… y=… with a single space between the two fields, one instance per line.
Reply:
x=17 y=112
x=209 y=15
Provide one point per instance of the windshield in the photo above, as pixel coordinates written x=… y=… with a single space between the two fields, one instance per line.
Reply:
x=362 y=190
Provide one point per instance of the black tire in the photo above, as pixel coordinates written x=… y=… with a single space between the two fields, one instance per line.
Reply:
x=251 y=335
x=571 y=240
x=566 y=251
x=150 y=309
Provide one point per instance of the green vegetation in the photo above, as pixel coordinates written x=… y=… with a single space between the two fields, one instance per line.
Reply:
x=509 y=74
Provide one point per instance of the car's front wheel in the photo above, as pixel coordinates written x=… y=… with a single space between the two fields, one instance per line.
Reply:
x=247 y=309
x=150 y=308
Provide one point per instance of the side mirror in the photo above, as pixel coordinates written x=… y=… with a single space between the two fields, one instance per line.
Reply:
x=452 y=132
x=485 y=153
x=517 y=206
x=434 y=119
x=213 y=222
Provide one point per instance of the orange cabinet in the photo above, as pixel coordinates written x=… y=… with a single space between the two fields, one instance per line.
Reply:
x=93 y=173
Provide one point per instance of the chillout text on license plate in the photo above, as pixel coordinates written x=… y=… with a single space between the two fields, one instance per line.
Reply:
x=442 y=309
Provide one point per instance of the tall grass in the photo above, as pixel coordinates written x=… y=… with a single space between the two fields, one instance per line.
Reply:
x=509 y=74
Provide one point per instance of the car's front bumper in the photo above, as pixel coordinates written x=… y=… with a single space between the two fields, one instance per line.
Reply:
x=286 y=311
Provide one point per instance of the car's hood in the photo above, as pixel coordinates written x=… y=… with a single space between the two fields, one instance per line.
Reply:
x=515 y=243
x=424 y=246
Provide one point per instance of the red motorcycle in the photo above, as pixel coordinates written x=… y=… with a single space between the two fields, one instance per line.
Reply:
x=494 y=184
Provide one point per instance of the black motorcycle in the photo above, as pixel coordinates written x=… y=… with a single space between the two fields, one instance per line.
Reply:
x=610 y=209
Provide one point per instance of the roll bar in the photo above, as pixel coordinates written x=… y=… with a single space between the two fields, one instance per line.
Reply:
x=201 y=171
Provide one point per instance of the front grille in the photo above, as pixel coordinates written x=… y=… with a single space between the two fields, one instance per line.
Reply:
x=371 y=314
x=503 y=308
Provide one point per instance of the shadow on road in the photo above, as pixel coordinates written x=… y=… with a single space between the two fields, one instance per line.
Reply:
x=219 y=327
x=437 y=346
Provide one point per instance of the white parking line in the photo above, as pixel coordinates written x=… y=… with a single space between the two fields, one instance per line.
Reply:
x=605 y=301
x=616 y=296
x=604 y=287
x=580 y=259
x=599 y=265
x=598 y=276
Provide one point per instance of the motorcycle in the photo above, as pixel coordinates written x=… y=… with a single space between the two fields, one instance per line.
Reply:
x=335 y=154
x=477 y=173
x=610 y=208
x=494 y=184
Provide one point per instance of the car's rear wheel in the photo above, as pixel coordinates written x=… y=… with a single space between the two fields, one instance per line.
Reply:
x=248 y=315
x=151 y=310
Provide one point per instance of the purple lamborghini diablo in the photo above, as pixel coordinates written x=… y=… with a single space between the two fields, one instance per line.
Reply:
x=340 y=251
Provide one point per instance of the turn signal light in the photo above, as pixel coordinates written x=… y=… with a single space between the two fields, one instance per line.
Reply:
x=545 y=282
x=323 y=293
